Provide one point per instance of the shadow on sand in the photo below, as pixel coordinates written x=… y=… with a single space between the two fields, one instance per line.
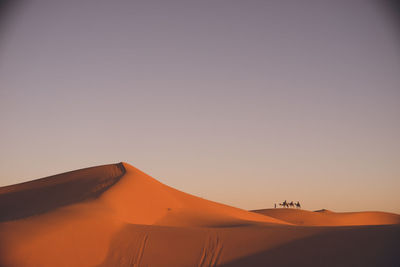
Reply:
x=46 y=194
x=342 y=246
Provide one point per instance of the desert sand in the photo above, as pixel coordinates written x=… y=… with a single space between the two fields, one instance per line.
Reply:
x=116 y=215
x=330 y=218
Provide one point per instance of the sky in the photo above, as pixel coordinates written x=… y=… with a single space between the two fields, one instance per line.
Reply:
x=247 y=103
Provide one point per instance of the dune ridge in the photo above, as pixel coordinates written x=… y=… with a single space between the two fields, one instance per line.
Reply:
x=330 y=218
x=140 y=199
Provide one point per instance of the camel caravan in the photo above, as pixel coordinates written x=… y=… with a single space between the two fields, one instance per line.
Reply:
x=290 y=204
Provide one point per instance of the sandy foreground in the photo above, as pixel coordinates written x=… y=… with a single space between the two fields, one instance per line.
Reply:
x=116 y=215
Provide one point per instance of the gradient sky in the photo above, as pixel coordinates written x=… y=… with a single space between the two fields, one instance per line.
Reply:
x=242 y=102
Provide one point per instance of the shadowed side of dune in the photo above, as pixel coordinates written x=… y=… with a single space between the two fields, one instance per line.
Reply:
x=372 y=246
x=43 y=195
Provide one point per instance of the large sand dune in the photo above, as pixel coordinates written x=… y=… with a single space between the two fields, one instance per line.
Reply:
x=115 y=215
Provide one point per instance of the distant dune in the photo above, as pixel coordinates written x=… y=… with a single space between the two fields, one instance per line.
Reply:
x=116 y=215
x=329 y=218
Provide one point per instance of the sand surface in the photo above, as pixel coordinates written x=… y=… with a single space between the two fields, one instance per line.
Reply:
x=330 y=218
x=116 y=215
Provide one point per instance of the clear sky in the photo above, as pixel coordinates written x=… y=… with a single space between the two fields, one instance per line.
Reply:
x=242 y=102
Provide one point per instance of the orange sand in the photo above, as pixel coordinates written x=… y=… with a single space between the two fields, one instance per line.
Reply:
x=329 y=218
x=116 y=215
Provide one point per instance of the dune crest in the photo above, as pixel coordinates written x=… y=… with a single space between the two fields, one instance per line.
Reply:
x=329 y=218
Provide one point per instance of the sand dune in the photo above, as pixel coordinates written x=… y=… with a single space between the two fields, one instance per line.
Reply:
x=140 y=199
x=330 y=218
x=116 y=215
x=46 y=194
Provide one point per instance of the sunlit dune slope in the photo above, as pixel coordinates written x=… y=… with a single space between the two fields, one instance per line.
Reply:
x=140 y=199
x=329 y=218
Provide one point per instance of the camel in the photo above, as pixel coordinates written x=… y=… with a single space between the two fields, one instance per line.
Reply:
x=284 y=204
